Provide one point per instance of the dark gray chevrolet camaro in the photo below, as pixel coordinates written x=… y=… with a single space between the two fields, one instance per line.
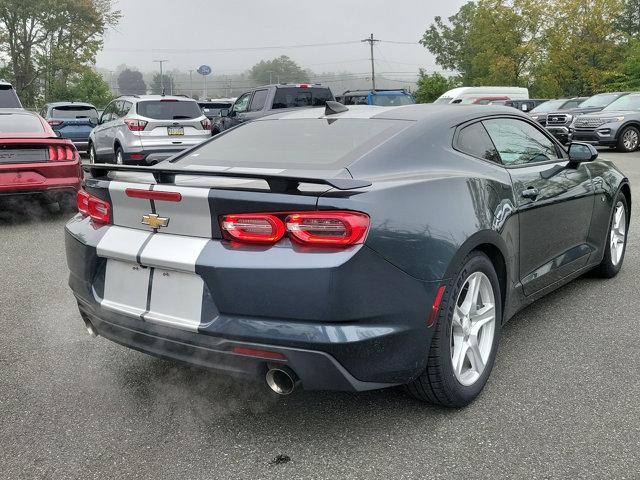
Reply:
x=345 y=249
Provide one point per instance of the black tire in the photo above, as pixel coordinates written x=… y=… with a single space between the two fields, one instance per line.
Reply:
x=607 y=268
x=93 y=156
x=632 y=147
x=118 y=151
x=438 y=383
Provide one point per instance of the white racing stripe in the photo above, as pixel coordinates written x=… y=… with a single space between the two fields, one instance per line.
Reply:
x=122 y=243
x=190 y=216
x=125 y=288
x=173 y=252
x=126 y=211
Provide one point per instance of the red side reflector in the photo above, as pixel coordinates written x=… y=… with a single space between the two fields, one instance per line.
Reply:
x=252 y=352
x=253 y=227
x=137 y=156
x=435 y=307
x=152 y=195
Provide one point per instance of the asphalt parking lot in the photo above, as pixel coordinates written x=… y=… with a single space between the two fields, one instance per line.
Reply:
x=563 y=400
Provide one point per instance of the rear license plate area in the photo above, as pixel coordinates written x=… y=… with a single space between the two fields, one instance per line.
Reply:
x=155 y=295
x=175 y=131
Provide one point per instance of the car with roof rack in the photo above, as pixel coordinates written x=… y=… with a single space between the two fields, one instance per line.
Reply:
x=379 y=97
x=615 y=126
x=559 y=122
x=146 y=129
x=72 y=120
x=269 y=99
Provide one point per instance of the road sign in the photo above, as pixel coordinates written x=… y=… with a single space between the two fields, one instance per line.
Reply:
x=204 y=70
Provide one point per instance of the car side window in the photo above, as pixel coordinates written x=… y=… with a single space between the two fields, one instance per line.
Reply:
x=475 y=141
x=124 y=108
x=520 y=143
x=242 y=103
x=258 y=100
x=107 y=115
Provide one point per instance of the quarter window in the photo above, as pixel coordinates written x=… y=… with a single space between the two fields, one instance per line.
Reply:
x=519 y=143
x=475 y=141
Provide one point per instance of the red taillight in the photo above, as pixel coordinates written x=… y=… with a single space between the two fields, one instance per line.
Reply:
x=258 y=228
x=135 y=125
x=62 y=153
x=303 y=85
x=55 y=123
x=206 y=124
x=153 y=195
x=328 y=228
x=97 y=209
x=435 y=307
x=252 y=352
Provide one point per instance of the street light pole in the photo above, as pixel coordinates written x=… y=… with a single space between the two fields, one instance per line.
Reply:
x=191 y=83
x=161 y=75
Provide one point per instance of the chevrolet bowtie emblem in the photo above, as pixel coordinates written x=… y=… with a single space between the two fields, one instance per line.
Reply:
x=154 y=221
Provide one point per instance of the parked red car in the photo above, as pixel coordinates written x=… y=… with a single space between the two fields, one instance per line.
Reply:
x=34 y=161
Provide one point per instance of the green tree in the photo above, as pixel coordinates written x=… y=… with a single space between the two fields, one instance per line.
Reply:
x=431 y=86
x=49 y=42
x=280 y=70
x=130 y=82
x=158 y=82
x=490 y=42
x=628 y=20
x=87 y=86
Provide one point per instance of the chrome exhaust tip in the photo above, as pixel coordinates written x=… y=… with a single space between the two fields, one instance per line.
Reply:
x=282 y=380
x=91 y=330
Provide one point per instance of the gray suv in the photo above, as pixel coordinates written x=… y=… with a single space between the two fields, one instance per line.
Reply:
x=147 y=129
x=616 y=126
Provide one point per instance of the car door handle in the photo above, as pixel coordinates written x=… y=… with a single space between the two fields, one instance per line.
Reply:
x=531 y=193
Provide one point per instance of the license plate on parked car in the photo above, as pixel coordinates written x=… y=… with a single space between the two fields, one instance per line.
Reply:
x=175 y=131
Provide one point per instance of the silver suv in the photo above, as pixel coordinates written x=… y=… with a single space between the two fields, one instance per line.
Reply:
x=146 y=129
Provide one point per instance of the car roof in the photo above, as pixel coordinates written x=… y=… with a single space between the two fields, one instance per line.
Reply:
x=140 y=98
x=18 y=111
x=437 y=113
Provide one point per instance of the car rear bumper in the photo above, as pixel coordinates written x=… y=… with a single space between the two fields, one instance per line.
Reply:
x=40 y=177
x=353 y=325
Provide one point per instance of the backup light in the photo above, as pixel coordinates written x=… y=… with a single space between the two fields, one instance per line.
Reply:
x=258 y=228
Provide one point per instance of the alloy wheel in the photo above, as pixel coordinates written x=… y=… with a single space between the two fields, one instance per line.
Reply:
x=473 y=328
x=92 y=155
x=630 y=139
x=618 y=234
x=119 y=157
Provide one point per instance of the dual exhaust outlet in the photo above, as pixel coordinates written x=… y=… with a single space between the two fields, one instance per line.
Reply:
x=281 y=379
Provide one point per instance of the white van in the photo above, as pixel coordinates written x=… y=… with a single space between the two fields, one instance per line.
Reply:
x=483 y=95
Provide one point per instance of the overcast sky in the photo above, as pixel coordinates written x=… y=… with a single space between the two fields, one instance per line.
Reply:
x=189 y=33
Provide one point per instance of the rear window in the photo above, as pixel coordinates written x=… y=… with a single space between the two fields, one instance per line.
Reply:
x=392 y=100
x=8 y=97
x=20 y=123
x=295 y=97
x=75 y=112
x=356 y=100
x=301 y=143
x=169 y=110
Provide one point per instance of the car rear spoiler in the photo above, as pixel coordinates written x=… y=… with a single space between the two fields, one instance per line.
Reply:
x=278 y=183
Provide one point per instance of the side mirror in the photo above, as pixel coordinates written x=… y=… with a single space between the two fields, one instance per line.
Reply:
x=582 y=152
x=224 y=112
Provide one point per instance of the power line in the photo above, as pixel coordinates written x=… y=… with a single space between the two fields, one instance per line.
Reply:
x=372 y=41
x=161 y=76
x=234 y=49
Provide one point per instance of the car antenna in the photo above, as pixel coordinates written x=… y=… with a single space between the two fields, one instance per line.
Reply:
x=334 y=107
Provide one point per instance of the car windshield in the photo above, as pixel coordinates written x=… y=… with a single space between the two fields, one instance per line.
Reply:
x=20 y=123
x=75 y=112
x=8 y=97
x=549 y=106
x=295 y=97
x=169 y=109
x=600 y=100
x=627 y=102
x=301 y=143
x=392 y=100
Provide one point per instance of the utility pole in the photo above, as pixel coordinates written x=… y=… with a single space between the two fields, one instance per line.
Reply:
x=191 y=83
x=162 y=76
x=371 y=41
